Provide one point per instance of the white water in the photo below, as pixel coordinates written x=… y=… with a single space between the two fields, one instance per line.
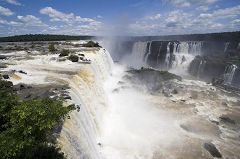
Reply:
x=229 y=74
x=137 y=57
x=133 y=126
x=130 y=123
x=185 y=53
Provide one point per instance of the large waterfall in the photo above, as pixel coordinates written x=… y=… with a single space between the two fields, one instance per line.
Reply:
x=178 y=55
x=79 y=135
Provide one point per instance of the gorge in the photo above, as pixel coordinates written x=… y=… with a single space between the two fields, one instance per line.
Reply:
x=154 y=99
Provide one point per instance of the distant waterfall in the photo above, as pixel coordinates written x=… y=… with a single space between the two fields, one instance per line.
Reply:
x=183 y=47
x=226 y=47
x=183 y=54
x=201 y=68
x=229 y=73
x=138 y=57
x=148 y=52
x=195 y=48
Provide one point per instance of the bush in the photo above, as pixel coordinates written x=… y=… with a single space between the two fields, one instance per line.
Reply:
x=73 y=58
x=52 y=48
x=91 y=44
x=25 y=126
x=64 y=52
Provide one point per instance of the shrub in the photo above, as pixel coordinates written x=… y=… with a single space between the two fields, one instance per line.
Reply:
x=51 y=48
x=64 y=52
x=73 y=58
x=91 y=44
x=25 y=126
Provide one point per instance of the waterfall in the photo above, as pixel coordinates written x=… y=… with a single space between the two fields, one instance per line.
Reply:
x=226 y=46
x=137 y=58
x=229 y=73
x=183 y=54
x=201 y=68
x=79 y=136
x=159 y=52
x=148 y=52
x=183 y=47
x=167 y=59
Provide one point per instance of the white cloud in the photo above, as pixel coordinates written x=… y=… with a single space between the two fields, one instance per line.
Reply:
x=56 y=15
x=188 y=3
x=154 y=17
x=14 y=2
x=180 y=22
x=5 y=11
x=30 y=20
x=72 y=24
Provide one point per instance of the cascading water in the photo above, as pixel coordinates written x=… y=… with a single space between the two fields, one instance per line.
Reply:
x=229 y=73
x=79 y=135
x=185 y=53
x=195 y=48
x=201 y=68
x=226 y=47
x=148 y=52
x=137 y=56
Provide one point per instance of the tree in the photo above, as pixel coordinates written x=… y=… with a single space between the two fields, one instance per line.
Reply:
x=25 y=126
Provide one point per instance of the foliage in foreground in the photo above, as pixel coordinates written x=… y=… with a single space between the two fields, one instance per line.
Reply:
x=25 y=126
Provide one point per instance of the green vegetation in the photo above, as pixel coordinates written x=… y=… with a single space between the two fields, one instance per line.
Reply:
x=225 y=36
x=91 y=44
x=73 y=58
x=51 y=47
x=42 y=37
x=27 y=126
x=64 y=52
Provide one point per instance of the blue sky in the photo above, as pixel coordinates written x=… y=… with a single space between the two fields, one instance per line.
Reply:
x=118 y=17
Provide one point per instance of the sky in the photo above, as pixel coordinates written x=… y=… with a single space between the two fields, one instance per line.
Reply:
x=118 y=17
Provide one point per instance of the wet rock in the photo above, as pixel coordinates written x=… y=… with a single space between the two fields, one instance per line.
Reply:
x=73 y=58
x=166 y=93
x=66 y=97
x=2 y=57
x=22 y=72
x=194 y=95
x=175 y=91
x=78 y=108
x=120 y=82
x=226 y=119
x=116 y=90
x=61 y=59
x=224 y=104
x=21 y=86
x=28 y=96
x=211 y=148
x=5 y=76
x=153 y=80
x=183 y=100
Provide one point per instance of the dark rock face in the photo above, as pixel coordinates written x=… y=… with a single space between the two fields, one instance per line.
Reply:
x=73 y=58
x=22 y=72
x=207 y=68
x=215 y=69
x=2 y=57
x=226 y=119
x=152 y=79
x=158 y=52
x=211 y=148
x=5 y=76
